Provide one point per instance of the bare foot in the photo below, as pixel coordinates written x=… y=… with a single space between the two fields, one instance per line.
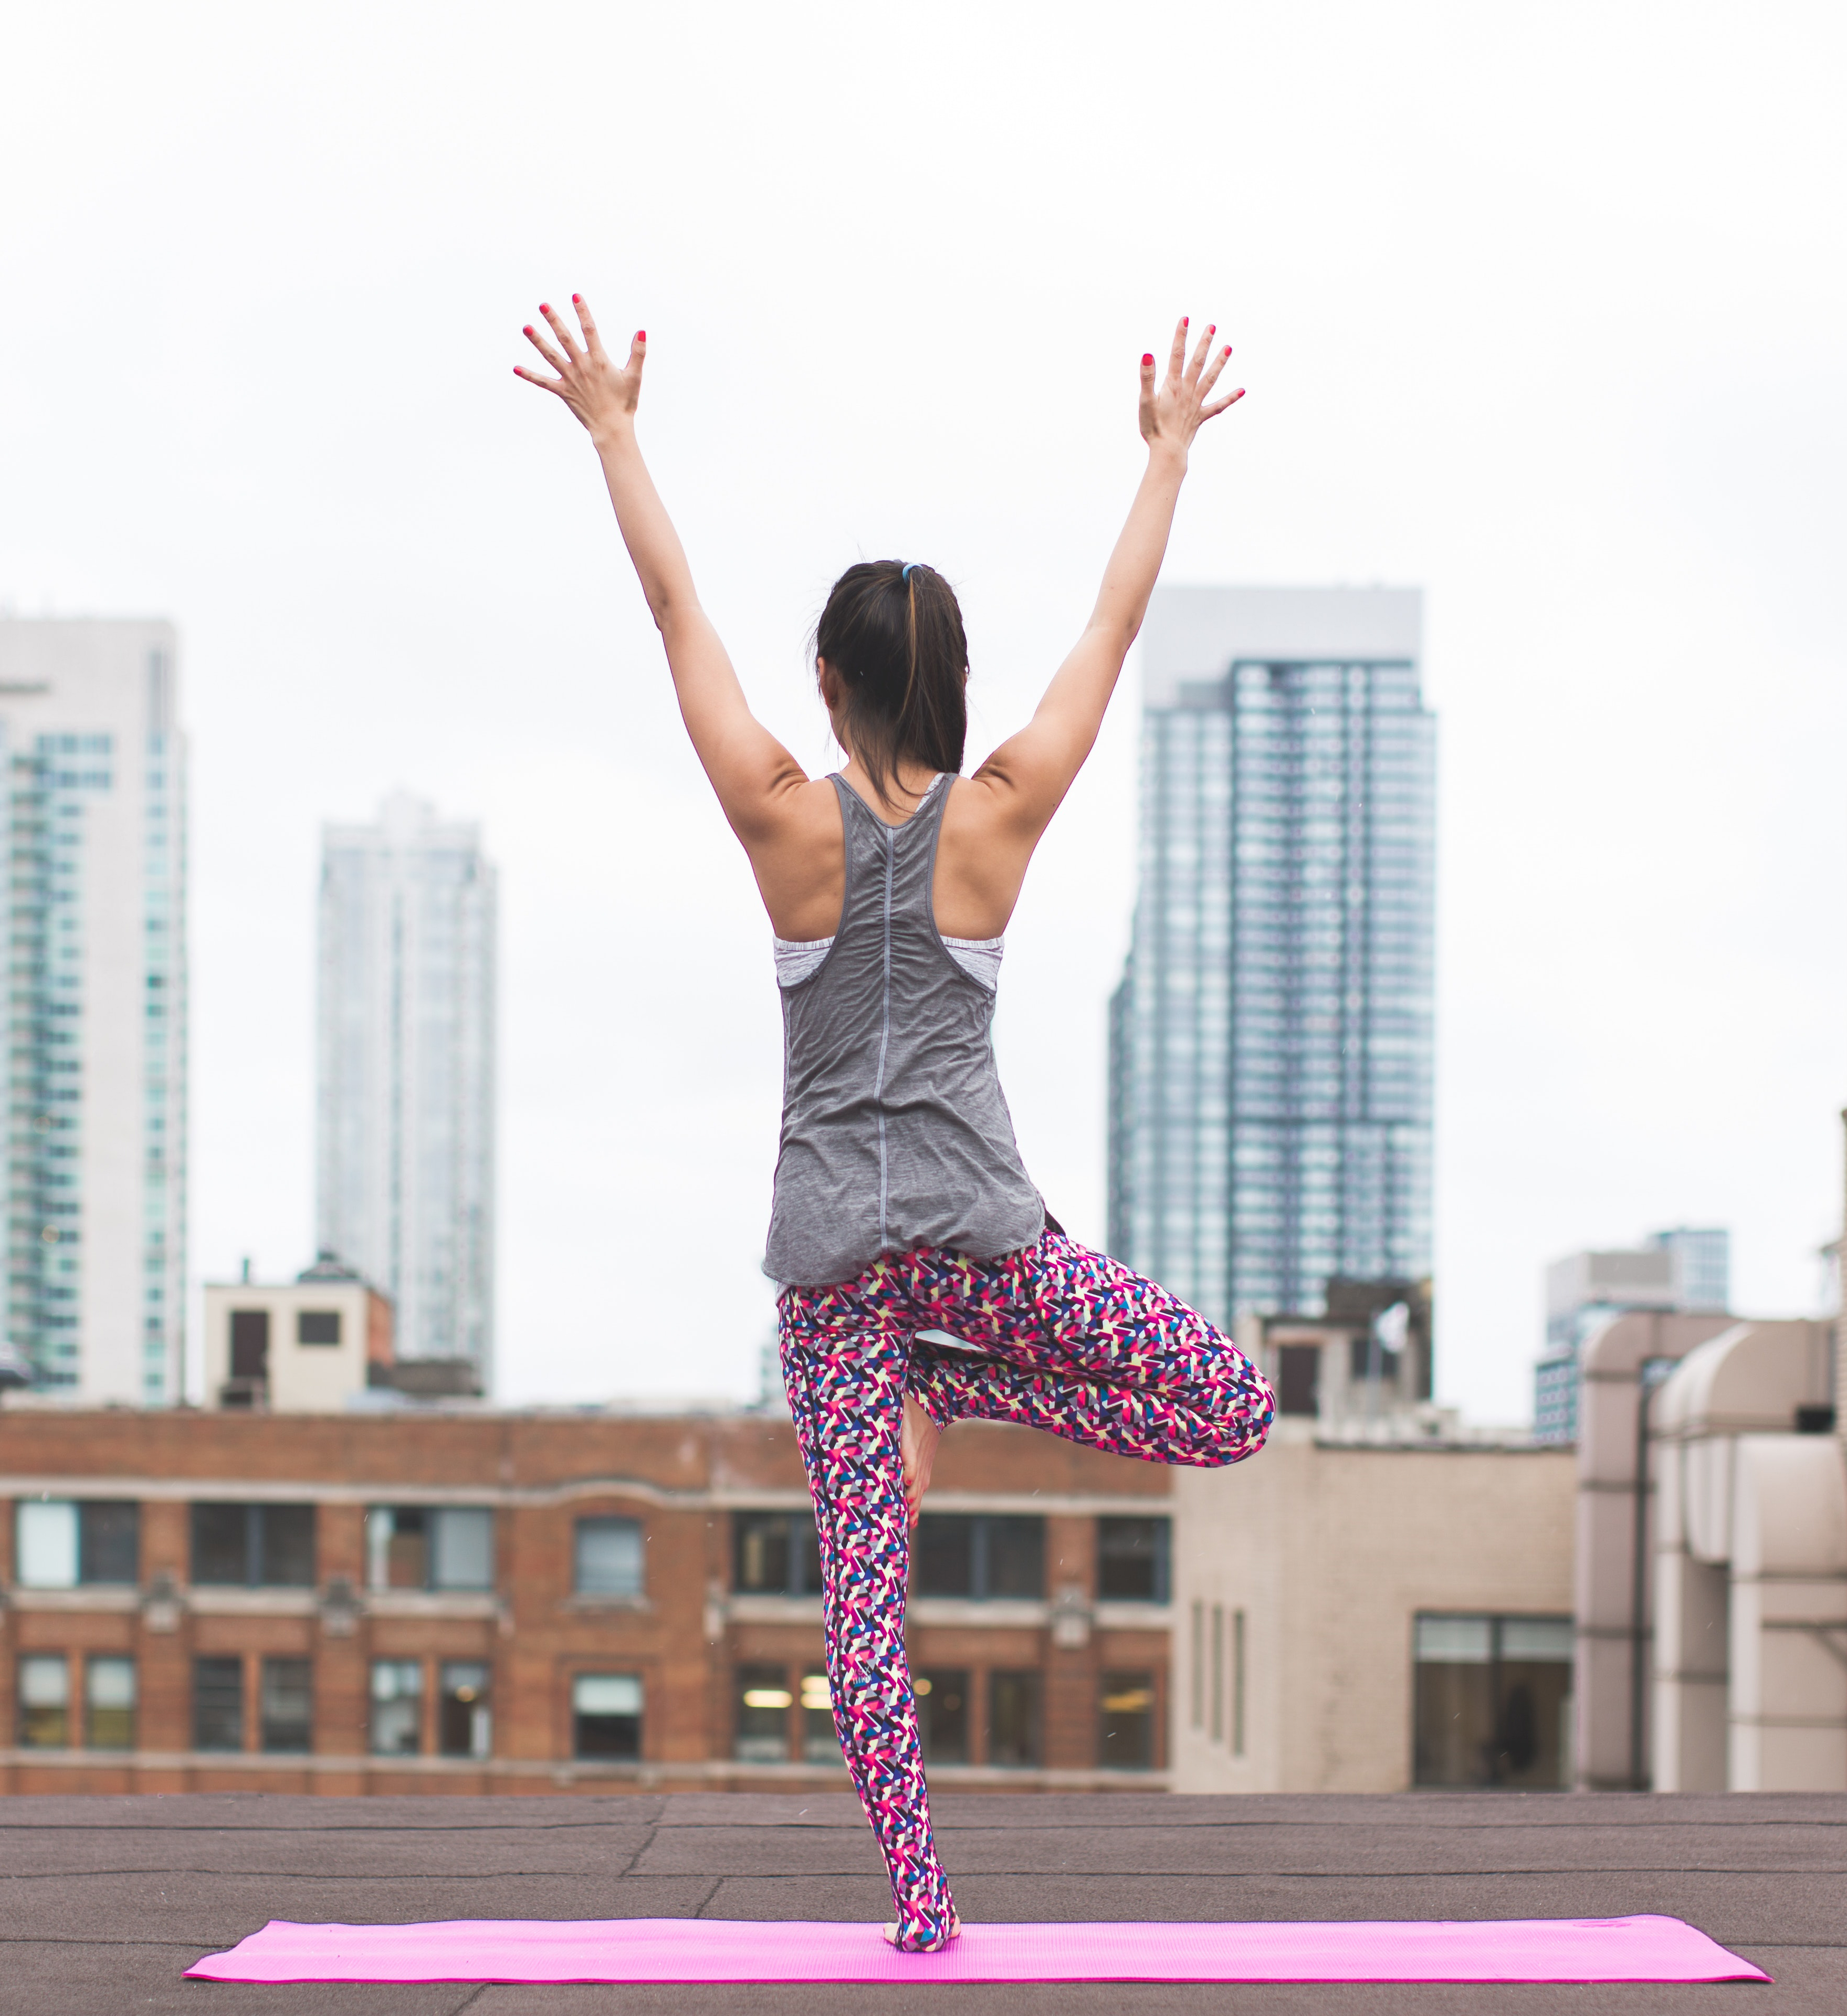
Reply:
x=891 y=1932
x=917 y=1441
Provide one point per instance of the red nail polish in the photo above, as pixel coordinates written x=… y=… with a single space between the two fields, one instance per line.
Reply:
x=575 y=299
x=1228 y=350
x=527 y=330
x=1185 y=320
x=641 y=335
x=1148 y=356
x=544 y=307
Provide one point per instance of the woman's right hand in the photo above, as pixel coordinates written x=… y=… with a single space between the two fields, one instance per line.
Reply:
x=1173 y=411
x=603 y=397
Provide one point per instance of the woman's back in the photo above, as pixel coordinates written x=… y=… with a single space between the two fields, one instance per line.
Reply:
x=896 y=1133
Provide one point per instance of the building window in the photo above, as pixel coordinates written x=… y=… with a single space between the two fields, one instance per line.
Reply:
x=45 y=1701
x=1127 y=1741
x=435 y=1546
x=218 y=1704
x=775 y=1554
x=286 y=1719
x=253 y=1546
x=61 y=1543
x=1493 y=1700
x=942 y=1715
x=1299 y=1379
x=1196 y=1693
x=763 y=1700
x=1237 y=1683
x=984 y=1557
x=249 y=1344
x=820 y=1740
x=464 y=1710
x=397 y=1707
x=608 y=1557
x=109 y=1703
x=1131 y=1561
x=1014 y=1719
x=606 y=1715
x=317 y=1326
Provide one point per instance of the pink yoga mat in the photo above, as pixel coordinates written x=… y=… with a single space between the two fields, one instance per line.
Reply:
x=709 y=1949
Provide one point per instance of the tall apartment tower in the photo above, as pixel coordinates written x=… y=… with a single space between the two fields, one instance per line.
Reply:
x=1271 y=1039
x=406 y=1118
x=92 y=910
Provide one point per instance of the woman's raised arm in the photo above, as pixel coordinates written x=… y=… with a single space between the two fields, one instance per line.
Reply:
x=1030 y=772
x=749 y=768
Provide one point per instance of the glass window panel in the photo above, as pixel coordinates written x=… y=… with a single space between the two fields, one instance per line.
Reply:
x=1015 y=1557
x=45 y=1701
x=462 y=1548
x=1454 y=1640
x=1536 y=1638
x=610 y=1557
x=286 y=1704
x=465 y=1715
x=1132 y=1559
x=46 y=1546
x=942 y=1555
x=763 y=1701
x=760 y=1551
x=221 y=1545
x=218 y=1704
x=109 y=1703
x=820 y=1741
x=287 y=1546
x=397 y=1707
x=317 y=1326
x=606 y=1713
x=1013 y=1719
x=110 y=1541
x=942 y=1715
x=1127 y=1736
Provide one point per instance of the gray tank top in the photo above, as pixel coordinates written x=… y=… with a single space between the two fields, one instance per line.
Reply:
x=894 y=1131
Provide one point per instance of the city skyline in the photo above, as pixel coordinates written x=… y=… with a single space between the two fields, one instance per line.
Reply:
x=93 y=916
x=405 y=1110
x=1272 y=1040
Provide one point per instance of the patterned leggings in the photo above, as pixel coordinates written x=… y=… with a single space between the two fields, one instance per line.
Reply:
x=1072 y=1343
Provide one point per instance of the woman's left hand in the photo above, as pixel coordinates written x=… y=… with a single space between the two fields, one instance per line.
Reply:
x=602 y=396
x=1174 y=412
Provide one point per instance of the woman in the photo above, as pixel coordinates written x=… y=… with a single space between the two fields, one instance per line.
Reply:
x=921 y=1279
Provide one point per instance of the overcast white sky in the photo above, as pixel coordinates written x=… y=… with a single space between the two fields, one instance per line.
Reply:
x=1541 y=308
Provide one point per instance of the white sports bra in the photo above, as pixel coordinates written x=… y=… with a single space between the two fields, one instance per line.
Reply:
x=979 y=957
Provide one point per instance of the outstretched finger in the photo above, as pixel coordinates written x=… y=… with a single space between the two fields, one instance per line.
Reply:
x=638 y=350
x=592 y=342
x=1209 y=377
x=1218 y=405
x=544 y=349
x=1176 y=361
x=533 y=378
x=1202 y=350
x=561 y=331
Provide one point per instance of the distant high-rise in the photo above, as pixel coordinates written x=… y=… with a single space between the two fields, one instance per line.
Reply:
x=1687 y=1267
x=1271 y=1039
x=406 y=1073
x=92 y=911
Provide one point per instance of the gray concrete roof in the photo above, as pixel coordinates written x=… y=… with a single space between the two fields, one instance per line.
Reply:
x=105 y=1902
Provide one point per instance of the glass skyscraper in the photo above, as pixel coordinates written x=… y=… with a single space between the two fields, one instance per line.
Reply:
x=406 y=1148
x=92 y=911
x=1271 y=1039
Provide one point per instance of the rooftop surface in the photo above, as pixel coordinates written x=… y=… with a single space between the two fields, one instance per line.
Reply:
x=105 y=1902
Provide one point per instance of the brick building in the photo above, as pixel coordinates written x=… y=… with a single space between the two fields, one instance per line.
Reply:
x=458 y=1599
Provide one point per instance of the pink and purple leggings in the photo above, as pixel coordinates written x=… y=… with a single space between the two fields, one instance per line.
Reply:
x=1070 y=1342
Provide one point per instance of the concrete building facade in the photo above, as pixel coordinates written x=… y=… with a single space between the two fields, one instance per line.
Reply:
x=92 y=914
x=405 y=1114
x=1271 y=1039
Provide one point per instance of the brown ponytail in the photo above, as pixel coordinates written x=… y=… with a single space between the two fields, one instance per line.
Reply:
x=893 y=634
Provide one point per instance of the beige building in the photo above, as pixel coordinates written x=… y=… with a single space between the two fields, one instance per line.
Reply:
x=1371 y=1602
x=305 y=1346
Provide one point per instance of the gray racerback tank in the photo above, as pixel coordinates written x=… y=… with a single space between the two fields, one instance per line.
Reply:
x=894 y=1131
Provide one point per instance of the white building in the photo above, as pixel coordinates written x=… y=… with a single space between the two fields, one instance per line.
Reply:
x=311 y=1345
x=406 y=1074
x=92 y=911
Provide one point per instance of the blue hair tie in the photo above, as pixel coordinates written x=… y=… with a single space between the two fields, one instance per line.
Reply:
x=908 y=566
